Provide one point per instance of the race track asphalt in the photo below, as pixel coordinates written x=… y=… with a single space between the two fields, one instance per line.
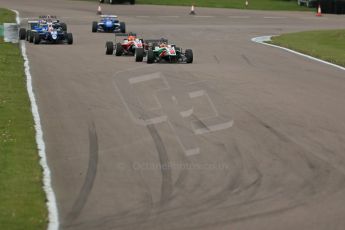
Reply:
x=246 y=137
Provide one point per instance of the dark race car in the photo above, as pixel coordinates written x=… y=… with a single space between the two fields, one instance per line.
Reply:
x=160 y=51
x=40 y=24
x=49 y=34
x=109 y=23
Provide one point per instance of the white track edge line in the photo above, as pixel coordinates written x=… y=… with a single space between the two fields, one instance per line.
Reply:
x=53 y=221
x=264 y=39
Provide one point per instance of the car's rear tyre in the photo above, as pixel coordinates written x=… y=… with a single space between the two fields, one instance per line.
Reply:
x=22 y=33
x=69 y=38
x=63 y=26
x=150 y=57
x=36 y=38
x=109 y=48
x=118 y=49
x=139 y=54
x=189 y=56
x=123 y=27
x=94 y=27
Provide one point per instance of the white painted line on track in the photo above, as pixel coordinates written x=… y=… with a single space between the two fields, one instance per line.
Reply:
x=143 y=78
x=313 y=18
x=274 y=17
x=204 y=16
x=172 y=16
x=230 y=16
x=51 y=200
x=264 y=39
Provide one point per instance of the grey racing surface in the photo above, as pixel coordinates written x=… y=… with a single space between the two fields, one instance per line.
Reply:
x=246 y=137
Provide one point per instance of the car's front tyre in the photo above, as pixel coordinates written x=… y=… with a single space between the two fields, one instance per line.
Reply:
x=36 y=38
x=69 y=38
x=150 y=57
x=31 y=37
x=94 y=27
x=118 y=49
x=27 y=35
x=139 y=54
x=109 y=48
x=189 y=56
x=63 y=26
x=22 y=33
x=123 y=27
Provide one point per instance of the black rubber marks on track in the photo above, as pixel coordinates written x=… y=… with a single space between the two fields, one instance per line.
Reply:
x=89 y=178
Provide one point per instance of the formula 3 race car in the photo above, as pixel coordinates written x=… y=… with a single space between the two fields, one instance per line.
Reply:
x=127 y=47
x=48 y=34
x=160 y=51
x=39 y=25
x=109 y=23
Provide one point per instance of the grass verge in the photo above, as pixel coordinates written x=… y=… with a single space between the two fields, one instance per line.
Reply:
x=327 y=45
x=21 y=195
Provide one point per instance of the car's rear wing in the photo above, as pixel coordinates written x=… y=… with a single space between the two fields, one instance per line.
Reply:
x=125 y=34
x=108 y=16
x=147 y=41
x=32 y=24
x=47 y=16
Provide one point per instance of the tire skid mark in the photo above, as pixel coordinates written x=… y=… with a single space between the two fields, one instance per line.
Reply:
x=167 y=184
x=247 y=60
x=216 y=59
x=89 y=178
x=241 y=190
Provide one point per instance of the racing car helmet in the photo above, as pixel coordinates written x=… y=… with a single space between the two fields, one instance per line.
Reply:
x=131 y=38
x=163 y=44
x=50 y=26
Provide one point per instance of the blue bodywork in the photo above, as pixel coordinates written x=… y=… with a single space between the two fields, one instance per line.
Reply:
x=109 y=24
x=56 y=35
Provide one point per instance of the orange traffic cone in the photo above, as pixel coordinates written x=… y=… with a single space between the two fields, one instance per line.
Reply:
x=319 y=13
x=99 y=10
x=192 y=10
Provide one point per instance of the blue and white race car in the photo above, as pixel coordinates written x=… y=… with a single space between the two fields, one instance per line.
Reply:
x=39 y=25
x=48 y=33
x=109 y=23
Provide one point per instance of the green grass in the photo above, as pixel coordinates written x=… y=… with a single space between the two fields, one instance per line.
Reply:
x=6 y=16
x=327 y=45
x=22 y=200
x=289 y=5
